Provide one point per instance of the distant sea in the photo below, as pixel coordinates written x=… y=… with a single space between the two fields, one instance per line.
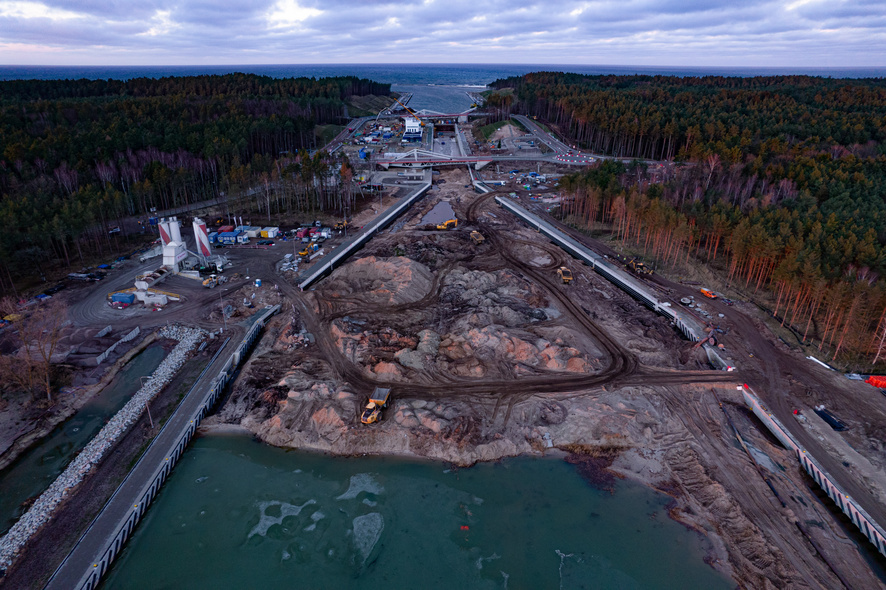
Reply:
x=412 y=74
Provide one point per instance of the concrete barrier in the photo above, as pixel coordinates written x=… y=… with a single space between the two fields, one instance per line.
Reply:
x=343 y=252
x=101 y=358
x=861 y=519
x=686 y=323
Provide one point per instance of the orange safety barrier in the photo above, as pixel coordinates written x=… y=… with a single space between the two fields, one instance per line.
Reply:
x=876 y=381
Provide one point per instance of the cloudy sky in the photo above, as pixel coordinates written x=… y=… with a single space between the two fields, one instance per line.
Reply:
x=828 y=33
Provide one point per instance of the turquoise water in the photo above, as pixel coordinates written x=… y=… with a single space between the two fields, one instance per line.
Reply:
x=34 y=470
x=239 y=514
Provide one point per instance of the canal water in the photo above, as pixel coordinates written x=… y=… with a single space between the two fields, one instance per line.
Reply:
x=441 y=212
x=239 y=514
x=30 y=474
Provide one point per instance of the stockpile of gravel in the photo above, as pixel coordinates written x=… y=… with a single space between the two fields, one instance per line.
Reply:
x=41 y=511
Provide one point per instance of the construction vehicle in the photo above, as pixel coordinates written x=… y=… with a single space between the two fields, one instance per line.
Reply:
x=708 y=293
x=377 y=401
x=448 y=224
x=213 y=281
x=309 y=249
x=565 y=275
x=477 y=237
x=638 y=267
x=340 y=225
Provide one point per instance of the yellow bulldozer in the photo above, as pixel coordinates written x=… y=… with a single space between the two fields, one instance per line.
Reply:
x=565 y=275
x=448 y=224
x=637 y=265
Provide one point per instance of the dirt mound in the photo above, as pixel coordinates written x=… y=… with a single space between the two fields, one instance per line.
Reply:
x=390 y=281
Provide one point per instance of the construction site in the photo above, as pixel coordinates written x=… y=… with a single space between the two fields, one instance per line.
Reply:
x=456 y=320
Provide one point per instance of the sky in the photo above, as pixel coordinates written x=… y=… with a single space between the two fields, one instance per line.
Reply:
x=805 y=33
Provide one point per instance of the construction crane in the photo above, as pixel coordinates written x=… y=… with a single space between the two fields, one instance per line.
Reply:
x=410 y=111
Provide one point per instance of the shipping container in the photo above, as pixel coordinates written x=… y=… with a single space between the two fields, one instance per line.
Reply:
x=213 y=237
x=228 y=237
x=225 y=229
x=270 y=232
x=127 y=298
x=242 y=238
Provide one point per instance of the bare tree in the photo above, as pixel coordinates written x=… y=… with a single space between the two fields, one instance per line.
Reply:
x=39 y=333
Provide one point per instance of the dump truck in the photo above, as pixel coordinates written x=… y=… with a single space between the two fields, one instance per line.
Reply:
x=448 y=224
x=212 y=281
x=565 y=275
x=377 y=401
x=477 y=237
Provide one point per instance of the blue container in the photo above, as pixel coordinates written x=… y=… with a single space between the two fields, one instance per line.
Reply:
x=258 y=282
x=123 y=298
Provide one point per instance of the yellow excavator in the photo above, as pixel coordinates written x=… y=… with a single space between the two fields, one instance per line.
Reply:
x=565 y=275
x=448 y=224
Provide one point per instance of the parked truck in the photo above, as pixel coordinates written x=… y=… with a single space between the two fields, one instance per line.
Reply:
x=477 y=237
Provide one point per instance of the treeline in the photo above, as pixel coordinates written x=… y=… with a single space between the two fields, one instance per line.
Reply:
x=76 y=156
x=784 y=186
x=666 y=117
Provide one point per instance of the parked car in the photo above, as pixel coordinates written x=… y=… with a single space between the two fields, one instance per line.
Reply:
x=114 y=230
x=55 y=289
x=265 y=243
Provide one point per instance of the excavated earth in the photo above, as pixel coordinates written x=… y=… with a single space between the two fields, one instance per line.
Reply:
x=489 y=355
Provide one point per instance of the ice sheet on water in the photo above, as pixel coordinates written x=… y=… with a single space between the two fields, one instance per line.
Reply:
x=367 y=531
x=362 y=482
x=480 y=560
x=369 y=502
x=266 y=522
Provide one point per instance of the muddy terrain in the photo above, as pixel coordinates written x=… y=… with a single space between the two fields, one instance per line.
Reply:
x=488 y=354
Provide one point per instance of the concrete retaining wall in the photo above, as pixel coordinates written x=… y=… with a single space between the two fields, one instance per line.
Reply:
x=686 y=323
x=345 y=251
x=101 y=358
x=150 y=489
x=44 y=507
x=869 y=528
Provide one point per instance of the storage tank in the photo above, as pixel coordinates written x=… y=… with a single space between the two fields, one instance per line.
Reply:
x=165 y=231
x=202 y=237
x=175 y=230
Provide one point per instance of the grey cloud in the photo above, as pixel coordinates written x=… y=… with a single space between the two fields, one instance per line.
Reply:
x=528 y=31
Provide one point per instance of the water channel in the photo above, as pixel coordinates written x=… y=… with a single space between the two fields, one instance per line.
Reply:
x=30 y=474
x=239 y=514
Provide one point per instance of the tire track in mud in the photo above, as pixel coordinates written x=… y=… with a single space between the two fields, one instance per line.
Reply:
x=623 y=367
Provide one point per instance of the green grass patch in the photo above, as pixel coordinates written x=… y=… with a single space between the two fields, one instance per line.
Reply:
x=365 y=106
x=487 y=130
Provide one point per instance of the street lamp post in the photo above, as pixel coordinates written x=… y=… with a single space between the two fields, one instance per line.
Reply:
x=147 y=406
